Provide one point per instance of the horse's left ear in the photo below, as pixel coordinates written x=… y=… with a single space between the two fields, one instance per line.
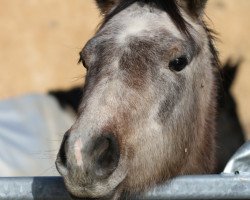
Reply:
x=106 y=6
x=193 y=7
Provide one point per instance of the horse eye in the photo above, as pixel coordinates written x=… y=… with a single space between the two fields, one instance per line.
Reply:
x=178 y=64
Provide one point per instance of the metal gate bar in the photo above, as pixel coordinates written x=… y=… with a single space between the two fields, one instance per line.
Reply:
x=226 y=186
x=204 y=187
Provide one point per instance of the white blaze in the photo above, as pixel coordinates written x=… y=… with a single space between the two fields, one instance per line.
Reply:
x=78 y=155
x=134 y=27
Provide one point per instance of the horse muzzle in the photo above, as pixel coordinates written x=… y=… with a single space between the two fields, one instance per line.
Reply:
x=89 y=165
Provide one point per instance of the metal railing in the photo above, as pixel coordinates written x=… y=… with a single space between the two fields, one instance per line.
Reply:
x=225 y=186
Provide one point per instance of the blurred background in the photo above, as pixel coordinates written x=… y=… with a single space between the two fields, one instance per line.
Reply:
x=40 y=42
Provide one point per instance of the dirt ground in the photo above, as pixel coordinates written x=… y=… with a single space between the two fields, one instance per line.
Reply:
x=40 y=42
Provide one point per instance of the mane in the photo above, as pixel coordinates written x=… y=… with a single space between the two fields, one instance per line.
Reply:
x=169 y=6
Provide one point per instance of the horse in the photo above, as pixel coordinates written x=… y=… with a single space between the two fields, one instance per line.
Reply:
x=149 y=104
x=229 y=130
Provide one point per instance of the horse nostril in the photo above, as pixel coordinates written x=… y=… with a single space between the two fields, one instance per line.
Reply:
x=105 y=154
x=61 y=161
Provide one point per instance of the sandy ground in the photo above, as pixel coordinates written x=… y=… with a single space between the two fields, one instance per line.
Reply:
x=40 y=42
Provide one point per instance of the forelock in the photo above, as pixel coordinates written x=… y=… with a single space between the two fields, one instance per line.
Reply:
x=168 y=6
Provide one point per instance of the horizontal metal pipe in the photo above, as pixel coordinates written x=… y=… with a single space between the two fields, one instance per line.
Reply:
x=204 y=187
x=226 y=186
x=33 y=188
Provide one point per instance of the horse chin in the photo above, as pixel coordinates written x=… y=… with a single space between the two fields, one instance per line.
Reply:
x=85 y=193
x=111 y=196
x=97 y=191
x=109 y=188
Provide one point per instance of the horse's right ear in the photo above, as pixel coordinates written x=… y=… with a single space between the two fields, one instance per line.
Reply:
x=193 y=7
x=106 y=6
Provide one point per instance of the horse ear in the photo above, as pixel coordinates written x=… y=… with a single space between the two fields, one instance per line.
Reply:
x=193 y=7
x=106 y=6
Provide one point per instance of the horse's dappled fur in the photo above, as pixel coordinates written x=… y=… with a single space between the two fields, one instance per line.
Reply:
x=149 y=101
x=229 y=131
